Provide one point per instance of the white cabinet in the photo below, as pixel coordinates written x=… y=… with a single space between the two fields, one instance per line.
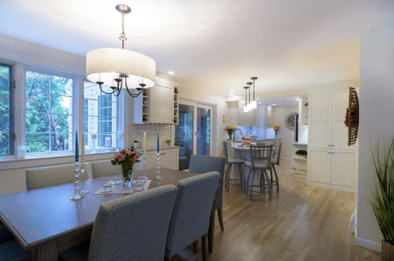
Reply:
x=169 y=159
x=246 y=118
x=161 y=104
x=269 y=117
x=330 y=160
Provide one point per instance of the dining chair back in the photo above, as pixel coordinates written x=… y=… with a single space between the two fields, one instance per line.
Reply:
x=203 y=164
x=192 y=210
x=133 y=227
x=261 y=156
x=51 y=176
x=225 y=152
x=104 y=168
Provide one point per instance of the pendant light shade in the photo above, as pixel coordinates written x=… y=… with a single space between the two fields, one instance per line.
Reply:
x=253 y=104
x=106 y=64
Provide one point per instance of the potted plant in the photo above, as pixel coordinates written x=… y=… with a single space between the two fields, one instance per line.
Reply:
x=230 y=130
x=302 y=153
x=382 y=201
x=126 y=158
x=168 y=142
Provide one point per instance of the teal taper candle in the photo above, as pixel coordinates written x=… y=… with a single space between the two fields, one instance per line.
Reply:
x=158 y=143
x=76 y=147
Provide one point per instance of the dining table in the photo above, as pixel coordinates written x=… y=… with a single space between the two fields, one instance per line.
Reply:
x=45 y=221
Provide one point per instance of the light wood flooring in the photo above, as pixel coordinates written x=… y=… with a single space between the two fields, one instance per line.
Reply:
x=300 y=223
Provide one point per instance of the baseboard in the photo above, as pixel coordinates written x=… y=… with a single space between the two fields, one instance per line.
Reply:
x=365 y=243
x=330 y=186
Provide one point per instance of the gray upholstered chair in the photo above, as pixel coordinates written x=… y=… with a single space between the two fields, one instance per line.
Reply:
x=260 y=160
x=10 y=248
x=192 y=210
x=133 y=227
x=51 y=176
x=202 y=164
x=275 y=161
x=104 y=168
x=230 y=162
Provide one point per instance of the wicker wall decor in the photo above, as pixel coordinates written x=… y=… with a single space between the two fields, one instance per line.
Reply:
x=352 y=116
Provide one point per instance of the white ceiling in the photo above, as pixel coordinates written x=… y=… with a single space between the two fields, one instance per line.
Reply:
x=217 y=45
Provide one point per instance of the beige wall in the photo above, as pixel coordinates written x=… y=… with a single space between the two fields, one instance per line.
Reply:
x=376 y=122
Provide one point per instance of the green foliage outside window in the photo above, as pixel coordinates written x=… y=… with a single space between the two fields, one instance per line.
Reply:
x=5 y=109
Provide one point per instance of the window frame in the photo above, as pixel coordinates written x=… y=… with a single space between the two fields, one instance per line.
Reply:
x=119 y=121
x=12 y=134
x=74 y=110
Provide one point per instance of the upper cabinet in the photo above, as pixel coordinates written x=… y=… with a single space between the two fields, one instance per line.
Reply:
x=269 y=117
x=157 y=105
x=246 y=118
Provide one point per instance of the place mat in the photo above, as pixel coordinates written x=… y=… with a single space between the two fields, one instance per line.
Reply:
x=117 y=189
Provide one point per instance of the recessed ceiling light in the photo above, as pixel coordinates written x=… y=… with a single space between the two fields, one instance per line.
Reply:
x=274 y=104
x=171 y=73
x=297 y=99
x=257 y=99
x=232 y=91
x=259 y=102
x=231 y=94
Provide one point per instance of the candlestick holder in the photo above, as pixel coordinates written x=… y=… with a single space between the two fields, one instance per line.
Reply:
x=158 y=177
x=94 y=146
x=77 y=186
x=82 y=182
x=144 y=165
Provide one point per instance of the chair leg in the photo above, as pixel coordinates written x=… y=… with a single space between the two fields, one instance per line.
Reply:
x=272 y=181
x=261 y=182
x=211 y=230
x=251 y=185
x=195 y=246
x=226 y=177
x=268 y=183
x=203 y=247
x=243 y=176
x=247 y=182
x=277 y=179
x=220 y=216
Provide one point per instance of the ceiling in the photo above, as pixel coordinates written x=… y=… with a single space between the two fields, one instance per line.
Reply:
x=215 y=45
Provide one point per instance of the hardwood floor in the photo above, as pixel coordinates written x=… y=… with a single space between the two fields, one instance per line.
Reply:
x=300 y=223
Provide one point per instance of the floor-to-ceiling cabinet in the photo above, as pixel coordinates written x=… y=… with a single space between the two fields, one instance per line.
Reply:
x=331 y=162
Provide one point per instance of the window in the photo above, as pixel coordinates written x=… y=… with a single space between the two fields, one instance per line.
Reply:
x=6 y=130
x=48 y=112
x=99 y=116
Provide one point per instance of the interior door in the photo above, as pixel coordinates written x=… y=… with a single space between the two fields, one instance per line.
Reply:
x=204 y=130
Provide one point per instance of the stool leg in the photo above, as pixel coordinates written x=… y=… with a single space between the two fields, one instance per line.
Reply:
x=247 y=183
x=268 y=183
x=251 y=185
x=277 y=179
x=243 y=176
x=228 y=176
x=272 y=181
x=261 y=182
x=241 y=179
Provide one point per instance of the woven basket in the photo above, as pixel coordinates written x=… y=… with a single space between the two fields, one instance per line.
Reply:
x=387 y=251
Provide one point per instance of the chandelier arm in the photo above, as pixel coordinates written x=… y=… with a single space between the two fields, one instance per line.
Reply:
x=134 y=95
x=101 y=89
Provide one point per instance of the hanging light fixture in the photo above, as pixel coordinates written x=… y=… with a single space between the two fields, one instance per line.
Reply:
x=246 y=107
x=254 y=102
x=120 y=68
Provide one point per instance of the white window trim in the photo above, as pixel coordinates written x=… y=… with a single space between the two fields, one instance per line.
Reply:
x=19 y=112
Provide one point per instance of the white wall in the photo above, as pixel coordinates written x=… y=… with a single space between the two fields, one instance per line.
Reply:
x=376 y=122
x=287 y=135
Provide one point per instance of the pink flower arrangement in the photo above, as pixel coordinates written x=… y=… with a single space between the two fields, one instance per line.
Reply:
x=126 y=156
x=246 y=138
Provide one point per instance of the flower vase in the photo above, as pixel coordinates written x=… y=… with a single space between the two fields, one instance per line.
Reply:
x=127 y=174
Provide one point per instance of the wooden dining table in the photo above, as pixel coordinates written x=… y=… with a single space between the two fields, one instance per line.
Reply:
x=45 y=221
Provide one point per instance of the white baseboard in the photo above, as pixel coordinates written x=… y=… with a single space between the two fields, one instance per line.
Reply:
x=365 y=243
x=330 y=186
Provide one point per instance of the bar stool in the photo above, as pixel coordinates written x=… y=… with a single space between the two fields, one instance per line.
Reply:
x=230 y=162
x=275 y=161
x=260 y=160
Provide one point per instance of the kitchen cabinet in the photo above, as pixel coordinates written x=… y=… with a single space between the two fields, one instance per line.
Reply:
x=269 y=116
x=169 y=158
x=246 y=118
x=157 y=105
x=330 y=160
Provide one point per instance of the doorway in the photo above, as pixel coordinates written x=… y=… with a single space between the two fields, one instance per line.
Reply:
x=193 y=134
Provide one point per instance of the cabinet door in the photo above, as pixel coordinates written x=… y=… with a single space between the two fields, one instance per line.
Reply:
x=269 y=117
x=319 y=120
x=169 y=159
x=319 y=165
x=340 y=100
x=161 y=104
x=246 y=118
x=260 y=117
x=344 y=168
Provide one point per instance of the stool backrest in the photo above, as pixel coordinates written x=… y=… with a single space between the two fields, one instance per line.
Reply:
x=261 y=154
